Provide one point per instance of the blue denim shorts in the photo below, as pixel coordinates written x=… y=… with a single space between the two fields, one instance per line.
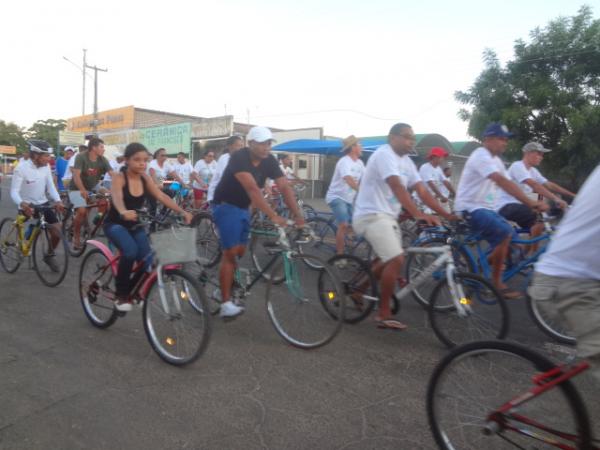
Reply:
x=342 y=211
x=233 y=224
x=490 y=225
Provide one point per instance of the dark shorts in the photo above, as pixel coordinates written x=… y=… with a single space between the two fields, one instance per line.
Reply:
x=519 y=213
x=233 y=224
x=49 y=215
x=490 y=225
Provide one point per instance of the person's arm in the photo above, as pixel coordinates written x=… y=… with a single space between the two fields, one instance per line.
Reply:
x=540 y=189
x=350 y=181
x=435 y=191
x=516 y=191
x=175 y=175
x=165 y=199
x=15 y=187
x=450 y=188
x=430 y=201
x=559 y=189
x=290 y=199
x=405 y=200
x=78 y=183
x=258 y=201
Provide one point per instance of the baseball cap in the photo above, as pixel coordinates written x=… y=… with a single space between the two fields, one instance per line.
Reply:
x=496 y=129
x=348 y=142
x=68 y=148
x=535 y=147
x=437 y=151
x=260 y=134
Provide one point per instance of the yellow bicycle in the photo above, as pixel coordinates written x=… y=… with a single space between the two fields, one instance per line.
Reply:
x=18 y=241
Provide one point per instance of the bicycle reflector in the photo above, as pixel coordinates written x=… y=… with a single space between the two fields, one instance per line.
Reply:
x=465 y=301
x=330 y=295
x=170 y=341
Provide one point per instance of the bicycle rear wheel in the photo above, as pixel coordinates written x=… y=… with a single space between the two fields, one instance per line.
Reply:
x=207 y=239
x=67 y=231
x=473 y=381
x=547 y=318
x=97 y=289
x=295 y=307
x=49 y=262
x=323 y=246
x=10 y=253
x=178 y=326
x=487 y=317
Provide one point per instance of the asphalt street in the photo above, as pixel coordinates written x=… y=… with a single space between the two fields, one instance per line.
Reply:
x=67 y=385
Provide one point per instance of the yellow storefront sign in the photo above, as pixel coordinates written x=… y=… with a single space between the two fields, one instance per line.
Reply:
x=113 y=119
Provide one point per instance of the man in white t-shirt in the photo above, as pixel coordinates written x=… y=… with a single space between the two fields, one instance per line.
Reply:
x=383 y=192
x=232 y=145
x=344 y=186
x=204 y=169
x=482 y=180
x=183 y=168
x=531 y=181
x=567 y=277
x=433 y=176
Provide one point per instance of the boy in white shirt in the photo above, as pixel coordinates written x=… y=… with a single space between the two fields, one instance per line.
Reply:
x=344 y=186
x=433 y=176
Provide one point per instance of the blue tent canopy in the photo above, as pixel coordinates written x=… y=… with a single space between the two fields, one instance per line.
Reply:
x=324 y=147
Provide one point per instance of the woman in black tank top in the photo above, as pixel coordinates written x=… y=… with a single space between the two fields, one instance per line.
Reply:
x=129 y=191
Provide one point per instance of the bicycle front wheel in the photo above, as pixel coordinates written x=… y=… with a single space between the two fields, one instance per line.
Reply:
x=177 y=325
x=485 y=312
x=50 y=257
x=10 y=253
x=97 y=289
x=296 y=306
x=473 y=381
x=548 y=319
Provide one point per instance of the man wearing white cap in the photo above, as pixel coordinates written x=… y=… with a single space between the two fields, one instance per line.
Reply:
x=240 y=186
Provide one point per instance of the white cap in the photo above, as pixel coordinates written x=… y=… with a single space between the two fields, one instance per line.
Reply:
x=118 y=154
x=68 y=147
x=260 y=134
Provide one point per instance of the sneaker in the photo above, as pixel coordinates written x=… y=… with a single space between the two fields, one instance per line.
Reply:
x=50 y=261
x=229 y=310
x=123 y=304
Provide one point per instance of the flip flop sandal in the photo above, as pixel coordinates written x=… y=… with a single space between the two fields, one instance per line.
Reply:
x=391 y=324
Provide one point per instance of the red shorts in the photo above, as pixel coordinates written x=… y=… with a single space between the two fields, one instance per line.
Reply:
x=198 y=194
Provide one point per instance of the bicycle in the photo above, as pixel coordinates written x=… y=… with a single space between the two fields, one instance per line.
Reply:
x=491 y=395
x=174 y=306
x=35 y=243
x=99 y=201
x=463 y=307
x=292 y=299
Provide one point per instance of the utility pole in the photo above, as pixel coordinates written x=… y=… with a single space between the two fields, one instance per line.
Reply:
x=95 y=69
x=83 y=70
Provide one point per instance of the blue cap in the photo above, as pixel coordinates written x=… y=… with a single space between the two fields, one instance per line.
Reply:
x=496 y=129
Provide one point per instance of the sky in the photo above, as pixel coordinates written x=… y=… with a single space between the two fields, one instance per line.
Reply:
x=351 y=67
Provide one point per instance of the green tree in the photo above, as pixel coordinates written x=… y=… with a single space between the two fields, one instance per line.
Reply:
x=47 y=130
x=12 y=134
x=549 y=92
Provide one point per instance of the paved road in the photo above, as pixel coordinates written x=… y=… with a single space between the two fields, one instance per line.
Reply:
x=65 y=384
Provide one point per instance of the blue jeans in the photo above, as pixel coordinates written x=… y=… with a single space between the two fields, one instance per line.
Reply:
x=134 y=246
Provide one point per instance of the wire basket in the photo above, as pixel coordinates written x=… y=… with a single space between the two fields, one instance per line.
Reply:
x=175 y=245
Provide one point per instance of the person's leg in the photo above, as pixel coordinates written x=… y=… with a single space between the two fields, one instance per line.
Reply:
x=197 y=198
x=389 y=277
x=227 y=270
x=342 y=214
x=497 y=258
x=128 y=248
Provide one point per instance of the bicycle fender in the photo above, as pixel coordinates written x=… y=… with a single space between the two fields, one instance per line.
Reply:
x=106 y=251
x=152 y=279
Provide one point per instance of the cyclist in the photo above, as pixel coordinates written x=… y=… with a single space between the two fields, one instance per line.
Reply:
x=567 y=276
x=89 y=168
x=433 y=176
x=204 y=169
x=483 y=177
x=383 y=192
x=130 y=188
x=31 y=184
x=183 y=168
x=241 y=185
x=344 y=186
x=530 y=180
x=232 y=145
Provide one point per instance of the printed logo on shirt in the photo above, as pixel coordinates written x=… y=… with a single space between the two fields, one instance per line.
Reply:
x=92 y=172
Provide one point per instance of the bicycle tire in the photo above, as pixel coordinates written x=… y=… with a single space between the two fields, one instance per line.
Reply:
x=41 y=244
x=356 y=279
x=548 y=326
x=416 y=262
x=300 y=299
x=67 y=231
x=97 y=293
x=482 y=322
x=10 y=251
x=168 y=344
x=487 y=386
x=207 y=239
x=323 y=246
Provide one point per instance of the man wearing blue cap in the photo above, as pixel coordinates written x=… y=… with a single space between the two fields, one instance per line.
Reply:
x=483 y=179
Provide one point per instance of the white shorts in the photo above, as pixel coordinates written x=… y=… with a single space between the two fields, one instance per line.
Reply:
x=382 y=231
x=77 y=199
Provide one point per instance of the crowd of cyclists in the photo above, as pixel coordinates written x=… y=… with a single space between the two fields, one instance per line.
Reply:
x=366 y=199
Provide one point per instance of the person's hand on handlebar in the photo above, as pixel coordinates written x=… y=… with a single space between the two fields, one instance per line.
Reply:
x=59 y=207
x=279 y=221
x=27 y=209
x=429 y=219
x=130 y=215
x=187 y=217
x=561 y=203
x=540 y=206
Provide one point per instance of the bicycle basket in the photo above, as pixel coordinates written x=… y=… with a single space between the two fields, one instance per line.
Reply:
x=175 y=245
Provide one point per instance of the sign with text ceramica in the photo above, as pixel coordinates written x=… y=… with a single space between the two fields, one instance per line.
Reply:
x=113 y=119
x=213 y=127
x=174 y=138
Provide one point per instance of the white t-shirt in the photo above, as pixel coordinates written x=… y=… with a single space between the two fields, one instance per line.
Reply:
x=31 y=183
x=221 y=165
x=160 y=172
x=435 y=174
x=574 y=249
x=68 y=174
x=475 y=189
x=518 y=172
x=205 y=172
x=375 y=195
x=345 y=167
x=288 y=172
x=116 y=166
x=183 y=171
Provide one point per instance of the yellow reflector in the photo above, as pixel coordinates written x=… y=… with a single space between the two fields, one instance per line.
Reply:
x=331 y=295
x=170 y=341
x=465 y=301
x=183 y=295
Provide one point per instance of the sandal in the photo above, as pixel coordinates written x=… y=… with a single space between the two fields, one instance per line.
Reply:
x=510 y=294
x=390 y=324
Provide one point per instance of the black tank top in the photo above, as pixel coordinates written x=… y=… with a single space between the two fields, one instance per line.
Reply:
x=130 y=201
